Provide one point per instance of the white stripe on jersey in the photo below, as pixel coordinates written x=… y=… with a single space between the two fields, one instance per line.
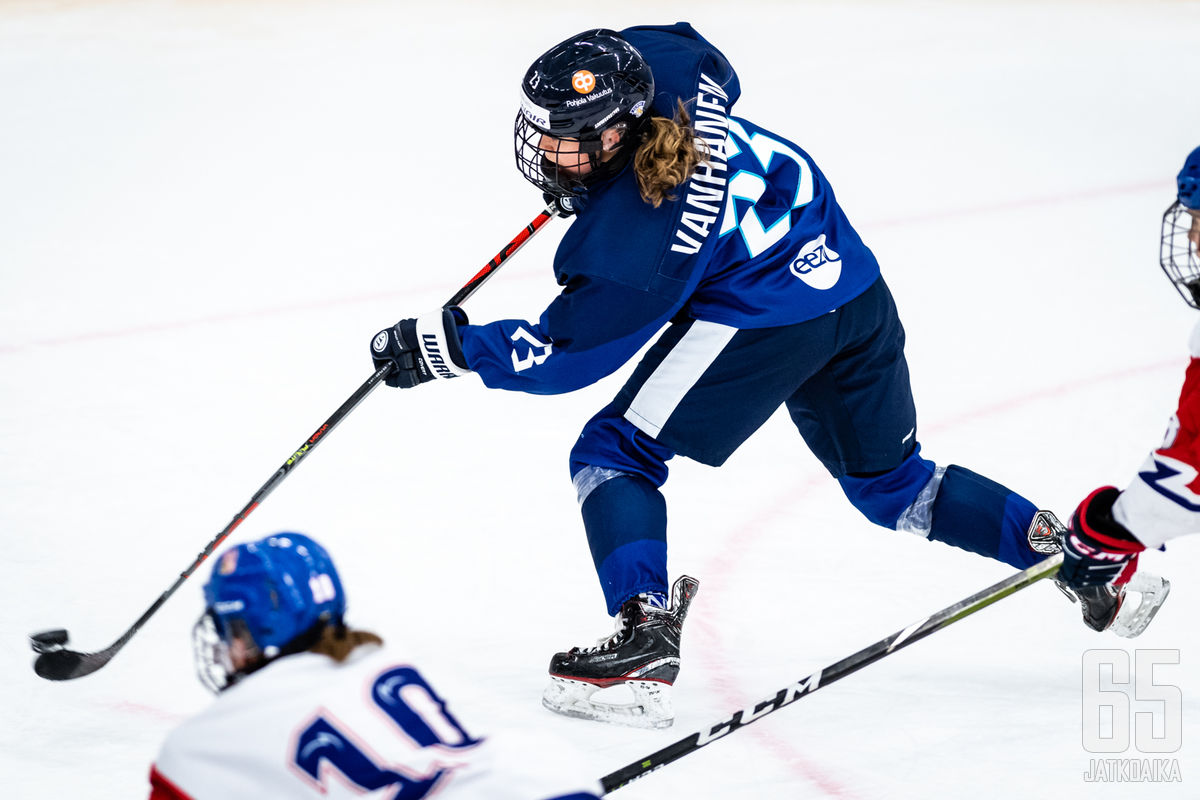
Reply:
x=662 y=392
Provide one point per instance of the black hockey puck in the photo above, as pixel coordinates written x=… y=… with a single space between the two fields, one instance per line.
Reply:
x=46 y=641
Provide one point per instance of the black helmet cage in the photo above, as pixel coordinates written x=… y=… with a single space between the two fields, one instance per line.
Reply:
x=1177 y=254
x=578 y=89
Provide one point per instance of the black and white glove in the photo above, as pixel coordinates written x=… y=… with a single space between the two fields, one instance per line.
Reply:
x=1098 y=550
x=422 y=348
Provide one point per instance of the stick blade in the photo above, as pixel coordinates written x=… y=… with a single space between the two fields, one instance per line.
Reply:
x=65 y=665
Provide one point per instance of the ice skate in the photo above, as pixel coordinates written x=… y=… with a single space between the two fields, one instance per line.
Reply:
x=643 y=655
x=1126 y=610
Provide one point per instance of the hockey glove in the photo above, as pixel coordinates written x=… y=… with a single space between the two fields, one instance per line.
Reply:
x=421 y=349
x=1098 y=550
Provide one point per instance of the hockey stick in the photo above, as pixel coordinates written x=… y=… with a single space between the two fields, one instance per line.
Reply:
x=56 y=663
x=824 y=677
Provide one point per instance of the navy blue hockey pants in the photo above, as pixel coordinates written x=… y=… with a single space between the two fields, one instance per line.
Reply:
x=703 y=388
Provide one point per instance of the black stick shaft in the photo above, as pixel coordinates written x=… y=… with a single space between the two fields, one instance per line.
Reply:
x=65 y=664
x=834 y=672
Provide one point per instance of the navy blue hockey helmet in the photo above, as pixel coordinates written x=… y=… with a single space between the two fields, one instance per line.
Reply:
x=274 y=594
x=1181 y=233
x=593 y=83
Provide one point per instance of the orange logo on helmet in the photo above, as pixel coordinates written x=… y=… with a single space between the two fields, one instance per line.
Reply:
x=583 y=81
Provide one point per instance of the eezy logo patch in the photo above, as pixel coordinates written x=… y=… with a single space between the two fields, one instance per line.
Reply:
x=817 y=264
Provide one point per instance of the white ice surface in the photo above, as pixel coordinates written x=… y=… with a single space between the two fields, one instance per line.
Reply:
x=207 y=209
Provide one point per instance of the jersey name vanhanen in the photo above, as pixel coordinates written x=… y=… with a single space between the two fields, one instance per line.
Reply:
x=706 y=187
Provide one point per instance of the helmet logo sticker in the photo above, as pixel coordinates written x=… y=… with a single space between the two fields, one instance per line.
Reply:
x=577 y=102
x=583 y=81
x=322 y=588
x=537 y=116
x=607 y=117
x=228 y=563
x=638 y=108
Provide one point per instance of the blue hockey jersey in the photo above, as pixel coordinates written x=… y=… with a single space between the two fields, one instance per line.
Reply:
x=754 y=239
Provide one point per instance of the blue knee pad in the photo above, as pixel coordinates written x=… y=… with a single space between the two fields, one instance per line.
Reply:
x=883 y=498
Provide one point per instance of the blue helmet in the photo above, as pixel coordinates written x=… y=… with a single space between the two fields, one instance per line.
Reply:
x=275 y=589
x=1189 y=180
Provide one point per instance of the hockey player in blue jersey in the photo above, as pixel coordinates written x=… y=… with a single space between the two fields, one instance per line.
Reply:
x=729 y=235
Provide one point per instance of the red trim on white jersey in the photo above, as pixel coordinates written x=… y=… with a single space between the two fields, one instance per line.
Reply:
x=1163 y=501
x=161 y=787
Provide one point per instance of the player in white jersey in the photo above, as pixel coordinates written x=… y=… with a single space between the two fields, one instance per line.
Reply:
x=307 y=707
x=1110 y=527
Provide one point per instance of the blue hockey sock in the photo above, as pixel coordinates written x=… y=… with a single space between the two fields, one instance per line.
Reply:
x=977 y=514
x=626 y=522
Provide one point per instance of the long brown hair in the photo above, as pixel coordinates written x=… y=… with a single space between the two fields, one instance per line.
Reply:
x=338 y=642
x=667 y=155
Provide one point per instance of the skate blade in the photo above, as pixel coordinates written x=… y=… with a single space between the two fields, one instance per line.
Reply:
x=1152 y=592
x=651 y=707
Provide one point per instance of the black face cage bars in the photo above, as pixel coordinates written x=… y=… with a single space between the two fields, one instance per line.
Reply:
x=1177 y=254
x=537 y=167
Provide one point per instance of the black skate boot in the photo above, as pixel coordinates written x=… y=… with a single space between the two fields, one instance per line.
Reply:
x=1102 y=605
x=643 y=654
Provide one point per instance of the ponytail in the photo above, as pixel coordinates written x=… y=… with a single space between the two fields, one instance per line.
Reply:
x=668 y=153
x=337 y=641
